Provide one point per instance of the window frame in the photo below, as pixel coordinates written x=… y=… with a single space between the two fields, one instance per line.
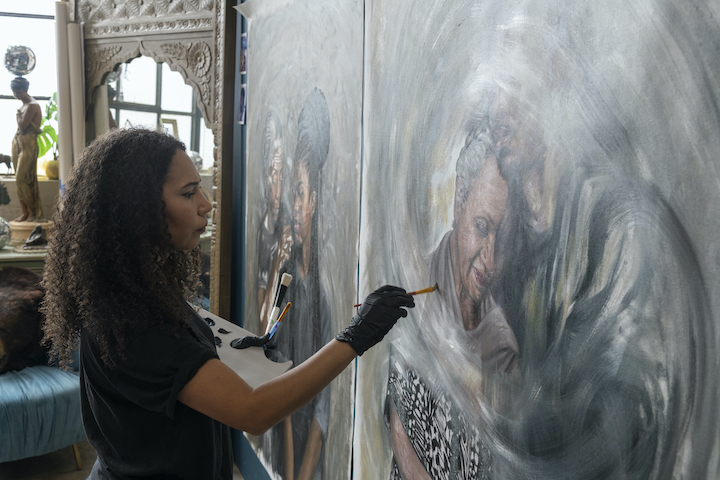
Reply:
x=195 y=115
x=35 y=16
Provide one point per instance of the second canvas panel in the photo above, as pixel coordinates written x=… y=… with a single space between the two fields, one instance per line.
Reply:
x=304 y=110
x=549 y=167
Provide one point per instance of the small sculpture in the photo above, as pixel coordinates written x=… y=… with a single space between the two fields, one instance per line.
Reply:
x=37 y=240
x=7 y=161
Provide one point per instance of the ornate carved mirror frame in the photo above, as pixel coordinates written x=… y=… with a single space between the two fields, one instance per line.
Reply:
x=197 y=39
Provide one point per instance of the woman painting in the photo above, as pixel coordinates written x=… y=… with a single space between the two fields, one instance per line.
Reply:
x=122 y=265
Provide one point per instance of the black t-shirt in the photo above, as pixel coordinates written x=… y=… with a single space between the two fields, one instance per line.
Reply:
x=131 y=414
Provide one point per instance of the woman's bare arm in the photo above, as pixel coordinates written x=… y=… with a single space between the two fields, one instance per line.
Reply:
x=218 y=392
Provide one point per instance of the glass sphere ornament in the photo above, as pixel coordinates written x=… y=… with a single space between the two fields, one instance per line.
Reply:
x=19 y=60
x=5 y=231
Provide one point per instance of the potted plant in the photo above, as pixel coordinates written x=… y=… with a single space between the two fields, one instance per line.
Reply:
x=48 y=139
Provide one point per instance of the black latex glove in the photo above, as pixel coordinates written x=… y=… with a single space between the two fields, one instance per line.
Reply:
x=375 y=317
x=265 y=341
x=250 y=341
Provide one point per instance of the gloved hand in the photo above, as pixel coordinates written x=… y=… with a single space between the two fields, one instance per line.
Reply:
x=250 y=341
x=375 y=317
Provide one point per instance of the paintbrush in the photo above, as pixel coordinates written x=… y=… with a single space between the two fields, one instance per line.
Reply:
x=277 y=324
x=253 y=341
x=279 y=295
x=416 y=292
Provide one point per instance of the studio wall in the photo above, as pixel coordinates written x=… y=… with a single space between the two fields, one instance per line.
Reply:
x=553 y=168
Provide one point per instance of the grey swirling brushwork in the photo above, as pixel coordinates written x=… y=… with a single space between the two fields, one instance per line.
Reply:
x=609 y=277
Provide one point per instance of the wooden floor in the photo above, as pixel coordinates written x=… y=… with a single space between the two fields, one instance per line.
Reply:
x=59 y=465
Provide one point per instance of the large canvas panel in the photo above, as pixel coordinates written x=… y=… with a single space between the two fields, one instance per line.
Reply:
x=305 y=65
x=554 y=167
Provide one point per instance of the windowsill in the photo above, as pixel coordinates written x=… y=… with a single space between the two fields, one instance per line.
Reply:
x=41 y=178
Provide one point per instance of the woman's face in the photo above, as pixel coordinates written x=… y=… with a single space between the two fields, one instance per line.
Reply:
x=303 y=205
x=185 y=205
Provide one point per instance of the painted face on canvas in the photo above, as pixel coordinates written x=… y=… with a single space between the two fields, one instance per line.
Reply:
x=273 y=182
x=303 y=206
x=477 y=219
x=518 y=139
x=185 y=205
x=513 y=132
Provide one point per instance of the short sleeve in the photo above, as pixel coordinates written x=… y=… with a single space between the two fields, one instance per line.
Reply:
x=158 y=365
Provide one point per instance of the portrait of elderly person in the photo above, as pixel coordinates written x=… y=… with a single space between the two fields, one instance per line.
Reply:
x=464 y=264
x=25 y=152
x=429 y=431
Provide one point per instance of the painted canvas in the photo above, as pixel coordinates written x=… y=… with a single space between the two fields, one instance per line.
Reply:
x=553 y=168
x=304 y=110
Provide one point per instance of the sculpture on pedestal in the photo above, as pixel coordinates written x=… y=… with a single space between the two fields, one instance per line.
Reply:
x=20 y=61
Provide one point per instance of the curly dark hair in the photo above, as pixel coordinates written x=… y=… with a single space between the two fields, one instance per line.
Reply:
x=111 y=268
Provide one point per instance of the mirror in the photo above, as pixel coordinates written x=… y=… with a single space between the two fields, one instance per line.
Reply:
x=144 y=93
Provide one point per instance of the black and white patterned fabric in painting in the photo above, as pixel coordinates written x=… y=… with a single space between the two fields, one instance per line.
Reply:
x=448 y=446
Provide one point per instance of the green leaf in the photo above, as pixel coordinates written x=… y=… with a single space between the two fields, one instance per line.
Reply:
x=49 y=131
x=42 y=147
x=47 y=139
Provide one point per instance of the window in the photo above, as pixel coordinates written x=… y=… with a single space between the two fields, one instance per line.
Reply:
x=170 y=102
x=145 y=93
x=31 y=24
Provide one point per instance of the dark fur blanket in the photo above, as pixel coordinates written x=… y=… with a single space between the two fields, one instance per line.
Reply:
x=20 y=320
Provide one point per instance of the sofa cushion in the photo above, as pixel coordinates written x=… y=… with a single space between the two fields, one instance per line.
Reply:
x=39 y=412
